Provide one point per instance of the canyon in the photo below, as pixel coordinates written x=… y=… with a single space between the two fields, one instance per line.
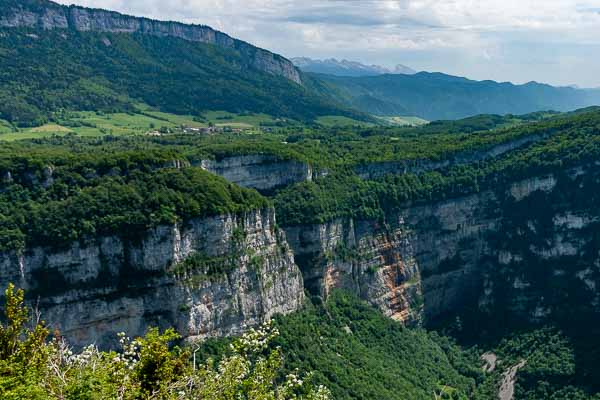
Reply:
x=498 y=250
x=433 y=260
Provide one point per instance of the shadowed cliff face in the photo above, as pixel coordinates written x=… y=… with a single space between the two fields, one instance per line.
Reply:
x=528 y=251
x=49 y=15
x=208 y=277
x=380 y=169
x=506 y=252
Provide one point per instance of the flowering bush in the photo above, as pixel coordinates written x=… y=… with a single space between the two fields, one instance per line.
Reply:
x=33 y=367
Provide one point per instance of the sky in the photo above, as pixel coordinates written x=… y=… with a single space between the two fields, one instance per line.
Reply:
x=551 y=41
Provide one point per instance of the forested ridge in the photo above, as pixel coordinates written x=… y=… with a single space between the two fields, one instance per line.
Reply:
x=572 y=141
x=46 y=71
x=64 y=189
x=60 y=197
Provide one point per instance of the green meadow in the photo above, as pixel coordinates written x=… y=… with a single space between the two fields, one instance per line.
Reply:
x=93 y=124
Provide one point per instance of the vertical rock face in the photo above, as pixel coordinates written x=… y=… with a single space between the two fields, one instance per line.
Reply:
x=449 y=240
x=261 y=172
x=508 y=250
x=49 y=15
x=423 y=263
x=208 y=277
x=375 y=262
x=505 y=250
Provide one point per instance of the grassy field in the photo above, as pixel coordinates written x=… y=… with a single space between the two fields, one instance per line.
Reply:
x=89 y=124
x=117 y=124
x=336 y=120
x=21 y=135
x=171 y=120
x=120 y=123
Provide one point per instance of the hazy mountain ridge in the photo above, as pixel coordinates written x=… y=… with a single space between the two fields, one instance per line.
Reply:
x=434 y=96
x=344 y=67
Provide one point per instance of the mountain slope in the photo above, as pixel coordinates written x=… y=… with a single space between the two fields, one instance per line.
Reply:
x=346 y=68
x=54 y=57
x=49 y=15
x=438 y=96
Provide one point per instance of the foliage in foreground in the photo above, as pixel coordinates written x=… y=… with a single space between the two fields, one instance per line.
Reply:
x=31 y=367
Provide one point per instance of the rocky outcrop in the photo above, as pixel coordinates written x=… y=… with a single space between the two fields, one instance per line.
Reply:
x=423 y=263
x=49 y=15
x=375 y=262
x=208 y=277
x=261 y=172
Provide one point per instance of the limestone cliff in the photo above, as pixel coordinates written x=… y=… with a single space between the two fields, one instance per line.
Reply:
x=375 y=262
x=49 y=15
x=504 y=250
x=528 y=249
x=257 y=171
x=207 y=277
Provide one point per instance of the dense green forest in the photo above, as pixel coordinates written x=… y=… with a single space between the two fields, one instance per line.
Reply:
x=62 y=189
x=81 y=195
x=358 y=353
x=572 y=141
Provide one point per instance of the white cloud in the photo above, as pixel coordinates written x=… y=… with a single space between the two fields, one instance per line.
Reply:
x=458 y=36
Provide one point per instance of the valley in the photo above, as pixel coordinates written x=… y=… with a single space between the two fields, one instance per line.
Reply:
x=184 y=215
x=426 y=242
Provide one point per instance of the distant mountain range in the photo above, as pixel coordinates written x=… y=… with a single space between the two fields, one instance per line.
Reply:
x=347 y=68
x=435 y=96
x=55 y=57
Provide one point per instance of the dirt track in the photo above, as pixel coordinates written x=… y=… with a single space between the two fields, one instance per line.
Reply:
x=507 y=387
